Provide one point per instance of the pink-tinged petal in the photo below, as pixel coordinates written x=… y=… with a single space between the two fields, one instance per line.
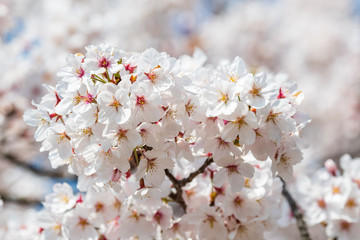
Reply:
x=220 y=177
x=229 y=132
x=251 y=119
x=236 y=182
x=247 y=135
x=155 y=178
x=226 y=161
x=285 y=171
x=40 y=133
x=229 y=108
x=104 y=98
x=246 y=170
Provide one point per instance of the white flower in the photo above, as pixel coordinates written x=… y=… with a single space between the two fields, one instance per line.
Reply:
x=253 y=231
x=285 y=161
x=222 y=99
x=152 y=166
x=151 y=134
x=102 y=58
x=221 y=148
x=51 y=224
x=38 y=118
x=104 y=161
x=61 y=200
x=146 y=105
x=114 y=106
x=154 y=70
x=138 y=219
x=241 y=206
x=58 y=138
x=77 y=224
x=74 y=72
x=209 y=224
x=343 y=230
x=351 y=168
x=124 y=137
x=233 y=71
x=276 y=119
x=242 y=123
x=107 y=205
x=233 y=170
x=253 y=92
x=78 y=101
x=163 y=216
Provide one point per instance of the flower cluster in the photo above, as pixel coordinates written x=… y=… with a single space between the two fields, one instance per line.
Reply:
x=331 y=198
x=264 y=35
x=123 y=121
x=148 y=212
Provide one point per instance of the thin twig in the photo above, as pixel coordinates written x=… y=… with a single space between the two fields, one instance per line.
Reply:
x=40 y=172
x=178 y=184
x=300 y=223
x=199 y=171
x=177 y=197
x=19 y=200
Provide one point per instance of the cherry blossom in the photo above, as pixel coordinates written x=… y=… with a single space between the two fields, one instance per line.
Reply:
x=159 y=154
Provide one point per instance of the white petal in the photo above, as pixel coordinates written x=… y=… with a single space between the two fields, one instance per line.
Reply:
x=220 y=177
x=236 y=182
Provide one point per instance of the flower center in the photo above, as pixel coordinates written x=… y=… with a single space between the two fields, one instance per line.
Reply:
x=103 y=62
x=99 y=207
x=255 y=91
x=344 y=225
x=232 y=169
x=140 y=101
x=121 y=135
x=158 y=216
x=190 y=108
x=80 y=72
x=211 y=220
x=115 y=103
x=321 y=203
x=351 y=203
x=240 y=122
x=151 y=165
x=238 y=201
x=222 y=97
x=63 y=137
x=82 y=222
x=152 y=76
x=88 y=98
x=233 y=77
x=336 y=190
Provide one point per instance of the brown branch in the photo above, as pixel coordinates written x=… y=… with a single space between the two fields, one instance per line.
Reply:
x=193 y=175
x=300 y=223
x=40 y=172
x=177 y=197
x=178 y=184
x=19 y=200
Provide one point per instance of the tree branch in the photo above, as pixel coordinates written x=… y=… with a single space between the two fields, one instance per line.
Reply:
x=21 y=201
x=40 y=172
x=300 y=223
x=178 y=184
x=177 y=197
x=193 y=175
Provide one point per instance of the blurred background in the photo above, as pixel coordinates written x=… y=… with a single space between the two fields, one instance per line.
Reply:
x=315 y=42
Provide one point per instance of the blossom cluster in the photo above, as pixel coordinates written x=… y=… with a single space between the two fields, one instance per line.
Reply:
x=270 y=35
x=123 y=121
x=34 y=32
x=331 y=198
x=148 y=213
